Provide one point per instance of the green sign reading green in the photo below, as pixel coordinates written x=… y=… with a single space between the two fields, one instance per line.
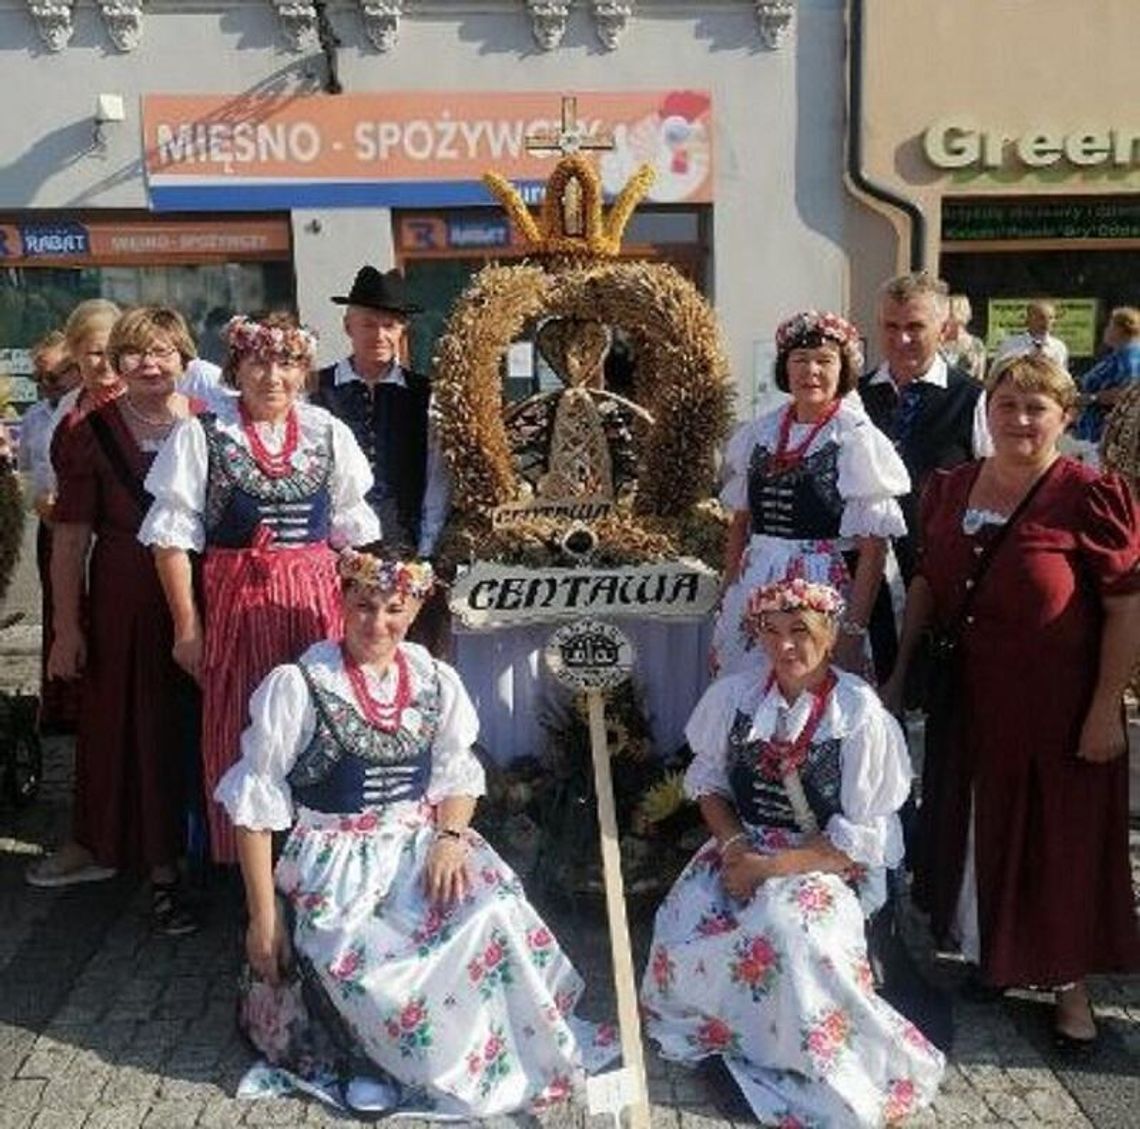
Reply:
x=1088 y=218
x=1075 y=325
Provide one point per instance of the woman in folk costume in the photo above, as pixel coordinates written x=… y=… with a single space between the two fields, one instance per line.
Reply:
x=407 y=966
x=263 y=488
x=758 y=952
x=813 y=489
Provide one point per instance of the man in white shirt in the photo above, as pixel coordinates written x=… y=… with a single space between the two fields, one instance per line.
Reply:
x=1040 y=317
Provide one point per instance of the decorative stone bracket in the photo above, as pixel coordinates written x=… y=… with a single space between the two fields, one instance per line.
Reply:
x=774 y=17
x=610 y=20
x=382 y=22
x=53 y=21
x=123 y=20
x=548 y=21
x=298 y=19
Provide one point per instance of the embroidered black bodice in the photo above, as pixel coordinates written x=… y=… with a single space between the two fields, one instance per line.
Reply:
x=349 y=765
x=764 y=802
x=240 y=497
x=802 y=502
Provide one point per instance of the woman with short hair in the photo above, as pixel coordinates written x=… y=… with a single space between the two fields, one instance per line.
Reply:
x=1030 y=567
x=813 y=489
x=261 y=488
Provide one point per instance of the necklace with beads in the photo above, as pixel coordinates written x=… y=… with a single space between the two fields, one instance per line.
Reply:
x=272 y=464
x=384 y=716
x=160 y=427
x=785 y=457
x=778 y=757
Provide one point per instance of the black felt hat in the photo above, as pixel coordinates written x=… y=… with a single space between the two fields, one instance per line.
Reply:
x=378 y=291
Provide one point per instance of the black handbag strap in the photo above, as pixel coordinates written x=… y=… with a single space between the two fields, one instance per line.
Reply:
x=985 y=558
x=118 y=461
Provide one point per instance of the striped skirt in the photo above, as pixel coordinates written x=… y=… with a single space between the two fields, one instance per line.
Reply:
x=264 y=606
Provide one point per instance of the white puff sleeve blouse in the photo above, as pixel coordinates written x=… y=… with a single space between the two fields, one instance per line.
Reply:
x=255 y=791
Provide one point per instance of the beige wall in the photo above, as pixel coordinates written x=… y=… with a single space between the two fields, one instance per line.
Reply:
x=1052 y=82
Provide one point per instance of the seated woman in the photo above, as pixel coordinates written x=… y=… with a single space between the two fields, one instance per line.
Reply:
x=758 y=951
x=408 y=965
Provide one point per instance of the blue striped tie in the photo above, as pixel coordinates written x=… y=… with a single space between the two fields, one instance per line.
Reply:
x=906 y=413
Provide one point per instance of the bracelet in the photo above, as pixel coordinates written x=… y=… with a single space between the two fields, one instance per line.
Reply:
x=850 y=627
x=450 y=833
x=733 y=839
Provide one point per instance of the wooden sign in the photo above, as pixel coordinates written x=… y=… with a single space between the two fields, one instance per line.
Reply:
x=488 y=596
x=590 y=655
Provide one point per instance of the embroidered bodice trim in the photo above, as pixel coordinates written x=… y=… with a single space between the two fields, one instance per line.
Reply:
x=342 y=732
x=764 y=802
x=776 y=494
x=233 y=468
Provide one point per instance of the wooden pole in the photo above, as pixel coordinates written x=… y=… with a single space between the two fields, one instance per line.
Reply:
x=629 y=1021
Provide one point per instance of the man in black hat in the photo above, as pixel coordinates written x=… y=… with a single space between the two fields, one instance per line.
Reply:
x=387 y=408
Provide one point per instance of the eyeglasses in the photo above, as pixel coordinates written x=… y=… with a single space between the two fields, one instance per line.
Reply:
x=132 y=358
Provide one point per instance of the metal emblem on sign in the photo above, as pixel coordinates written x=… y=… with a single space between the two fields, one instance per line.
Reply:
x=589 y=655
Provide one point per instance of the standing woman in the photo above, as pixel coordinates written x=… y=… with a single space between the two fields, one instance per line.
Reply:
x=1030 y=561
x=136 y=705
x=813 y=489
x=261 y=487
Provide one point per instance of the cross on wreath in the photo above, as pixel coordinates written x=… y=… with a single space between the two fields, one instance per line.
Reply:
x=571 y=137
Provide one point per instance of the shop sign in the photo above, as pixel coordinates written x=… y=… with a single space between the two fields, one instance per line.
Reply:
x=426 y=149
x=955 y=143
x=72 y=243
x=1075 y=324
x=491 y=595
x=1072 y=218
x=452 y=233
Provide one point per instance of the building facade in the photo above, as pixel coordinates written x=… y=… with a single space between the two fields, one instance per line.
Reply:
x=193 y=152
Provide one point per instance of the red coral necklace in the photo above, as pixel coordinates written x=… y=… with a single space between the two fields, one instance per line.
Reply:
x=384 y=716
x=272 y=465
x=779 y=758
x=785 y=457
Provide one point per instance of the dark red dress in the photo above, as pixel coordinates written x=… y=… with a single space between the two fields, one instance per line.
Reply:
x=137 y=708
x=1051 y=853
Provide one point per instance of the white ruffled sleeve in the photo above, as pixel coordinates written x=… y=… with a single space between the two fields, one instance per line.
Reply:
x=871 y=477
x=254 y=791
x=353 y=520
x=455 y=769
x=707 y=733
x=875 y=782
x=177 y=482
x=734 y=493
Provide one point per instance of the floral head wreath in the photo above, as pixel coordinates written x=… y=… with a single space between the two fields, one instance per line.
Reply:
x=409 y=578
x=802 y=328
x=245 y=337
x=794 y=595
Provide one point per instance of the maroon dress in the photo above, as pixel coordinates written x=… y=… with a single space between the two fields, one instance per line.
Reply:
x=1051 y=831
x=137 y=707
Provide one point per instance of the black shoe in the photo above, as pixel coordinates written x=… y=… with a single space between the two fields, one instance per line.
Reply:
x=975 y=990
x=730 y=1102
x=1070 y=1046
x=169 y=914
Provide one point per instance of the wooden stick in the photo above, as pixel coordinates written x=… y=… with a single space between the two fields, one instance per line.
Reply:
x=629 y=1022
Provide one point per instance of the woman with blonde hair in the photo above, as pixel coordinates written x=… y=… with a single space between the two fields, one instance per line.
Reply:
x=261 y=488
x=759 y=955
x=137 y=707
x=1030 y=578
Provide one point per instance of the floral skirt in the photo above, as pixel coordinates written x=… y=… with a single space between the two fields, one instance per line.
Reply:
x=781 y=988
x=766 y=560
x=463 y=1011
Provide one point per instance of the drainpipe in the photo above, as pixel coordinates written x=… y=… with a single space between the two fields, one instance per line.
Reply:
x=855 y=142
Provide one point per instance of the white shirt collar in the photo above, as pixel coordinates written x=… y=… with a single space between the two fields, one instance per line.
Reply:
x=345 y=374
x=796 y=715
x=936 y=374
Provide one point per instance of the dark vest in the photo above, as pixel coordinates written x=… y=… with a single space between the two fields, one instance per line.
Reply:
x=349 y=766
x=763 y=802
x=390 y=423
x=240 y=498
x=940 y=437
x=801 y=503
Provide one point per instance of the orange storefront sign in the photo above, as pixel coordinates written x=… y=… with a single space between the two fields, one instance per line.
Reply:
x=77 y=243
x=407 y=149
